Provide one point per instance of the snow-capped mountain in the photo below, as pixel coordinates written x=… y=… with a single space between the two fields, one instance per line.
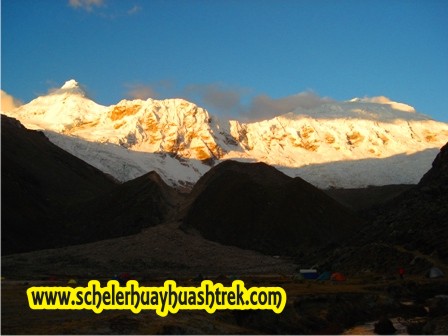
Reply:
x=170 y=126
x=339 y=131
x=369 y=141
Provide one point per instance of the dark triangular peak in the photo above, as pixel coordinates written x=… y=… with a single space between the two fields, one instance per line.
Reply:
x=255 y=206
x=127 y=209
x=259 y=172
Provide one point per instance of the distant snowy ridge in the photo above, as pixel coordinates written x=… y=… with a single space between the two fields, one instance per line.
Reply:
x=180 y=140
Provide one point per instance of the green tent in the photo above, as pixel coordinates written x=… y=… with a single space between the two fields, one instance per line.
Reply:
x=324 y=276
x=297 y=277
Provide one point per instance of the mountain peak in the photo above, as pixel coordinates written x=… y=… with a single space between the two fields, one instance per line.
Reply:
x=71 y=86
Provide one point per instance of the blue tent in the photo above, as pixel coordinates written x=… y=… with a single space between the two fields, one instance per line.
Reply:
x=309 y=274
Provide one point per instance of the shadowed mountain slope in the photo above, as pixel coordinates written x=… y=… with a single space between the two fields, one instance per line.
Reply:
x=409 y=231
x=437 y=177
x=362 y=199
x=126 y=209
x=254 y=206
x=418 y=219
x=51 y=198
x=40 y=180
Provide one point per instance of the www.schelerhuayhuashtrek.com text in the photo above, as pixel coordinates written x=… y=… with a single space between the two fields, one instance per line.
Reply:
x=168 y=298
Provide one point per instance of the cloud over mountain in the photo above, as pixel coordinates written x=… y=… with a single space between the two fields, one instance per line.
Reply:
x=141 y=91
x=264 y=107
x=9 y=102
x=223 y=99
x=230 y=101
x=387 y=101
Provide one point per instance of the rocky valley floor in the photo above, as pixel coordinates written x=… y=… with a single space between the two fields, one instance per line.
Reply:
x=166 y=252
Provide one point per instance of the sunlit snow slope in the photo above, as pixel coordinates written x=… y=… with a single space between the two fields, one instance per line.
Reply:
x=369 y=141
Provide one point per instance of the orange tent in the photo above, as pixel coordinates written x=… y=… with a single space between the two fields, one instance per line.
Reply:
x=338 y=277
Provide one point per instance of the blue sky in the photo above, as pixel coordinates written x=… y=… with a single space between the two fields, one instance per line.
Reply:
x=224 y=55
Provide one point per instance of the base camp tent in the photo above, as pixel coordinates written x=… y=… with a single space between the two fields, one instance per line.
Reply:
x=434 y=273
x=309 y=274
x=298 y=277
x=324 y=276
x=338 y=277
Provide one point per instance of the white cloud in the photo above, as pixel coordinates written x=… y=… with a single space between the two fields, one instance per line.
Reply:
x=140 y=91
x=232 y=101
x=386 y=101
x=378 y=100
x=224 y=100
x=86 y=5
x=134 y=10
x=227 y=100
x=264 y=107
x=8 y=102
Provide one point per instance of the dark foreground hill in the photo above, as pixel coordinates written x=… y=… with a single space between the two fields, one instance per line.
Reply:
x=410 y=230
x=254 y=206
x=126 y=209
x=39 y=180
x=363 y=199
x=51 y=198
x=418 y=219
x=436 y=178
